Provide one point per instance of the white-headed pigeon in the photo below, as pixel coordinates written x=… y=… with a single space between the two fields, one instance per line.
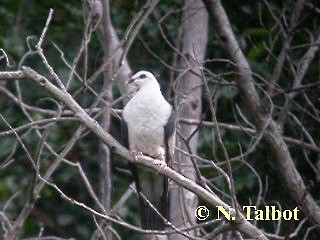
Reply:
x=148 y=128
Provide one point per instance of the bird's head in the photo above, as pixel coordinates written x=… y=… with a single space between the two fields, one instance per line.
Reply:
x=143 y=78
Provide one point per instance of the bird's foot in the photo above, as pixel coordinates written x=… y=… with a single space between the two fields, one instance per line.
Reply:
x=136 y=155
x=161 y=163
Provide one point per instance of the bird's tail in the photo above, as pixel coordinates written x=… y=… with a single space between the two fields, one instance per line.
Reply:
x=150 y=219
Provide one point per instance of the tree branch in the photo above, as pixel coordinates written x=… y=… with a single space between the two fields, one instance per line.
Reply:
x=272 y=135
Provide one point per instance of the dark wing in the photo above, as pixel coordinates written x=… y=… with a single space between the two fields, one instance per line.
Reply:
x=124 y=134
x=169 y=129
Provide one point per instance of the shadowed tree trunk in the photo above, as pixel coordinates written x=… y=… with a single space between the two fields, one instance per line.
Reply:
x=104 y=157
x=109 y=42
x=194 y=41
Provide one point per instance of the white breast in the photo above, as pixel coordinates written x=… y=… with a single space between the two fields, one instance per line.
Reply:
x=146 y=115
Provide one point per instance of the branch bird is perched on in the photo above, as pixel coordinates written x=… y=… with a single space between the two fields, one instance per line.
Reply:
x=148 y=127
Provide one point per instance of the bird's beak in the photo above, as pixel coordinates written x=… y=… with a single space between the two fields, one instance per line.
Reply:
x=131 y=80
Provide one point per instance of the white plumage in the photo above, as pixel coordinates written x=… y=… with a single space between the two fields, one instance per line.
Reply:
x=149 y=128
x=146 y=114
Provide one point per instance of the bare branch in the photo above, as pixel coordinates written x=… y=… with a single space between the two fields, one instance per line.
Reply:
x=281 y=155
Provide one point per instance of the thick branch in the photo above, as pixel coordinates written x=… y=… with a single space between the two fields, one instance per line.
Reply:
x=272 y=135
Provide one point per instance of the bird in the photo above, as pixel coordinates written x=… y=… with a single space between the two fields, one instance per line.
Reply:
x=148 y=128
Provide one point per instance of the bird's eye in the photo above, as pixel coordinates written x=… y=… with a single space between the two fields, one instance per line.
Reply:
x=143 y=76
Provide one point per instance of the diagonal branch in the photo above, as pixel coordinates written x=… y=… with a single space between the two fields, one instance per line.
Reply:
x=272 y=135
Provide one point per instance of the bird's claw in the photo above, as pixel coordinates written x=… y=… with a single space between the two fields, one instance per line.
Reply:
x=136 y=155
